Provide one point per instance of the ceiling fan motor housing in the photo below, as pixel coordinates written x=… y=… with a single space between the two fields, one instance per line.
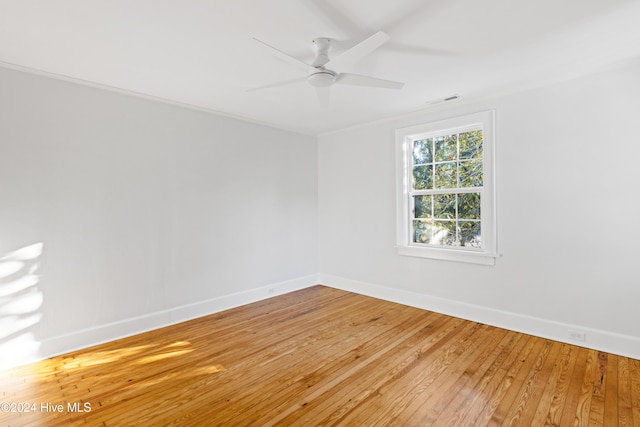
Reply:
x=323 y=77
x=321 y=46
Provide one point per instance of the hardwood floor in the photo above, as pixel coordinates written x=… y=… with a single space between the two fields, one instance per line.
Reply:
x=326 y=357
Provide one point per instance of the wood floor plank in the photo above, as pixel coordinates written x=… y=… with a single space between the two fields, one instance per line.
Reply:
x=461 y=407
x=421 y=378
x=498 y=405
x=634 y=376
x=396 y=355
x=532 y=390
x=558 y=386
x=611 y=388
x=322 y=356
x=570 y=395
x=312 y=372
x=432 y=396
x=625 y=413
x=310 y=388
x=596 y=413
x=587 y=389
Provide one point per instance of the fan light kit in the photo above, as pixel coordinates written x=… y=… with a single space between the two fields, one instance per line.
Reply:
x=322 y=78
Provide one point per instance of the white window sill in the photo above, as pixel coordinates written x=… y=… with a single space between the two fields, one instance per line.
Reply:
x=446 y=254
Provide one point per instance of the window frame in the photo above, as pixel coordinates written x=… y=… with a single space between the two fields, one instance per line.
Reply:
x=485 y=255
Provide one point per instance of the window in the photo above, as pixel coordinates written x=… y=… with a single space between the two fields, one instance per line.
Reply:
x=446 y=203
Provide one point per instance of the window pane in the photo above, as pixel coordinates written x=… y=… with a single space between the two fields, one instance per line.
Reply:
x=422 y=206
x=444 y=233
x=422 y=151
x=471 y=173
x=423 y=231
x=471 y=145
x=434 y=232
x=445 y=175
x=470 y=234
x=446 y=148
x=444 y=206
x=469 y=206
x=423 y=177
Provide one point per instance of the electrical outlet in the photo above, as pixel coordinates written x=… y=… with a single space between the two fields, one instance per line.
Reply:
x=577 y=335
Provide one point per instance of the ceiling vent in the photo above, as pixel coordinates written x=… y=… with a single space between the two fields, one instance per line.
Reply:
x=443 y=100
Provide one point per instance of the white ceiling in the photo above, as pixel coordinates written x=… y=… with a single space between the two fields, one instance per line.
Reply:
x=201 y=53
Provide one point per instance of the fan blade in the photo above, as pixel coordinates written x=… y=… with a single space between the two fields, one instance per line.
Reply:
x=324 y=95
x=358 y=51
x=358 y=80
x=277 y=84
x=289 y=59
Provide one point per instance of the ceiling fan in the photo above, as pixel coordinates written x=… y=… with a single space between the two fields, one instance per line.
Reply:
x=322 y=74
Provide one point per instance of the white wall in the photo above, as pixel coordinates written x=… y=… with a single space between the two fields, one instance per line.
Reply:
x=119 y=214
x=568 y=158
x=143 y=211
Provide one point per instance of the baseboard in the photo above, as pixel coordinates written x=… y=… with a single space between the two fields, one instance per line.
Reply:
x=88 y=337
x=610 y=342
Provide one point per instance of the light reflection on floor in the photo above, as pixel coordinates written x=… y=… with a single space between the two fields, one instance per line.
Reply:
x=101 y=375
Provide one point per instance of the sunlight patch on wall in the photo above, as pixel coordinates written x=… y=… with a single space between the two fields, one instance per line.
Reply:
x=20 y=305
